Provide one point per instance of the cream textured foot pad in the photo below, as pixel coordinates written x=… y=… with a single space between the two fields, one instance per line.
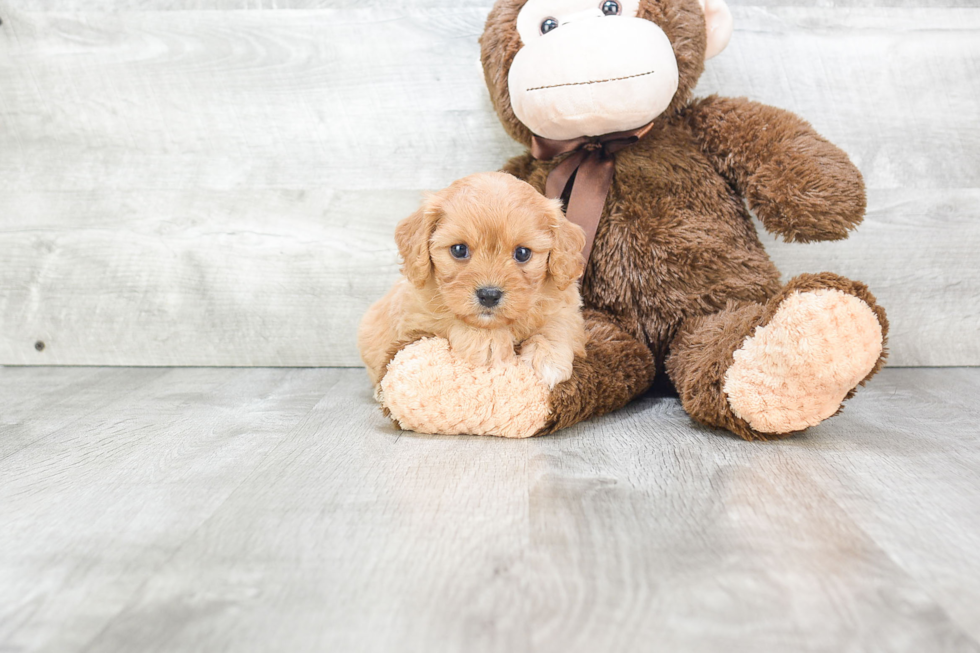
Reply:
x=428 y=390
x=794 y=372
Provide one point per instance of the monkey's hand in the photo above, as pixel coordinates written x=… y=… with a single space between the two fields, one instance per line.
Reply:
x=429 y=390
x=801 y=186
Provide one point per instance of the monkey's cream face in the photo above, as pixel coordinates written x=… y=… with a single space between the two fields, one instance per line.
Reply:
x=594 y=67
x=589 y=67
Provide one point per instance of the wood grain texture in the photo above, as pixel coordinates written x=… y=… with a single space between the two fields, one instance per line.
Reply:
x=200 y=187
x=133 y=480
x=256 y=277
x=343 y=99
x=208 y=278
x=394 y=99
x=258 y=510
x=285 y=5
x=46 y=399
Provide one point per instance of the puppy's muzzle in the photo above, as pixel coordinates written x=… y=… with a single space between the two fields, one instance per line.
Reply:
x=489 y=296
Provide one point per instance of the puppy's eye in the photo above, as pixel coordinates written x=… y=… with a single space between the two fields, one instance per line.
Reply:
x=522 y=255
x=459 y=252
x=549 y=24
x=610 y=8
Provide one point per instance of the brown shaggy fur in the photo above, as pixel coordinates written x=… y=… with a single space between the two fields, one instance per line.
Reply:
x=677 y=261
x=678 y=277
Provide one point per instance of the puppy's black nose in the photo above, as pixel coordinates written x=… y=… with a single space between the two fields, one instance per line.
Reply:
x=489 y=296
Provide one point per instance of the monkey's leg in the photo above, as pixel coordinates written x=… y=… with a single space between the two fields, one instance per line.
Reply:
x=616 y=368
x=426 y=389
x=766 y=371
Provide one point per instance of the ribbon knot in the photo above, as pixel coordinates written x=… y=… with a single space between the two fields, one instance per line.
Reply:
x=590 y=171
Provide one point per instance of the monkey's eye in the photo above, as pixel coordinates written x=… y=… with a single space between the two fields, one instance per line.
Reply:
x=610 y=8
x=460 y=252
x=522 y=255
x=549 y=24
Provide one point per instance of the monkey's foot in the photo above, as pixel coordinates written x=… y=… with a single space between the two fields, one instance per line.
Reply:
x=797 y=368
x=427 y=390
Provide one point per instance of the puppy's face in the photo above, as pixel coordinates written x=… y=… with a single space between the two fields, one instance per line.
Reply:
x=493 y=246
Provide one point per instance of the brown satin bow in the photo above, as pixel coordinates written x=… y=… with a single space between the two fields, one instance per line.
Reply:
x=593 y=165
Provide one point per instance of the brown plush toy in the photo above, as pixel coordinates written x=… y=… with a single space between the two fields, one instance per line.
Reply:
x=677 y=280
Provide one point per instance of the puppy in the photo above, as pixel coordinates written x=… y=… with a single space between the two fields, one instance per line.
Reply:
x=490 y=265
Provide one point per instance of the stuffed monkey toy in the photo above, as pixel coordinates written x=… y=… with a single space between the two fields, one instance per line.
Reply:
x=676 y=280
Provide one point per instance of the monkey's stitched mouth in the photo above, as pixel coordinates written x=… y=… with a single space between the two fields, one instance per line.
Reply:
x=598 y=81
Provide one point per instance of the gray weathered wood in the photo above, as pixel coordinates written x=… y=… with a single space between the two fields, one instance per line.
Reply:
x=220 y=188
x=383 y=99
x=150 y=467
x=261 y=510
x=274 y=5
x=46 y=399
x=203 y=277
x=208 y=278
x=343 y=99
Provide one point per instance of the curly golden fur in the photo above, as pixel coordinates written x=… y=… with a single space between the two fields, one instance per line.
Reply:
x=537 y=313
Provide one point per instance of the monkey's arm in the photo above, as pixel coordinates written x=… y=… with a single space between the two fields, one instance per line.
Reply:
x=801 y=186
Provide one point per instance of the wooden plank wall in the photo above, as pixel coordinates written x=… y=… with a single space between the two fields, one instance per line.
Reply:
x=215 y=182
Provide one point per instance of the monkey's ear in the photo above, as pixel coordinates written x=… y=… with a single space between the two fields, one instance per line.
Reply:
x=565 y=262
x=412 y=236
x=718 y=20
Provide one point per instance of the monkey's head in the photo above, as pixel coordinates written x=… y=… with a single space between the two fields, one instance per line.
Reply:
x=568 y=68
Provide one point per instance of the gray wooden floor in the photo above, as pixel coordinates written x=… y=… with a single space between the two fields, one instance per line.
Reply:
x=276 y=510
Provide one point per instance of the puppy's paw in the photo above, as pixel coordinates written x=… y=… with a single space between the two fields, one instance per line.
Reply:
x=477 y=355
x=482 y=347
x=552 y=364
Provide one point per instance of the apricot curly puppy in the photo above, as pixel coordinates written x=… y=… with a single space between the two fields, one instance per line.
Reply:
x=490 y=265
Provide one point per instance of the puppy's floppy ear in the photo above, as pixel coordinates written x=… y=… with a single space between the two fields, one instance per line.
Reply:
x=412 y=236
x=565 y=262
